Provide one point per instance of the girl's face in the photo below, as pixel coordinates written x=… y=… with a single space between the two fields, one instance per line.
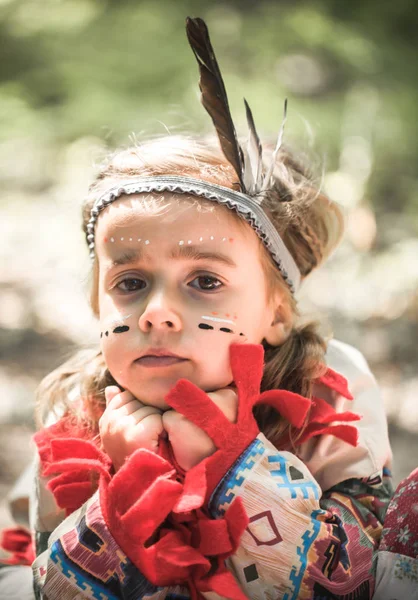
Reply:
x=175 y=291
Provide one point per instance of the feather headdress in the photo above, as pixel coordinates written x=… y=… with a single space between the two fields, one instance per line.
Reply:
x=253 y=179
x=247 y=162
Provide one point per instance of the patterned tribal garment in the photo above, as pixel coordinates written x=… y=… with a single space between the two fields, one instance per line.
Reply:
x=249 y=522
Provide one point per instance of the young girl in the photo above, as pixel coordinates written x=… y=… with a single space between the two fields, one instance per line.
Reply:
x=158 y=481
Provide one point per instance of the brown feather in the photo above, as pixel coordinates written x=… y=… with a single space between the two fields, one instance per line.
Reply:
x=214 y=97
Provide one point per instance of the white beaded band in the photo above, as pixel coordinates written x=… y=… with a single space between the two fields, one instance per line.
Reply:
x=245 y=206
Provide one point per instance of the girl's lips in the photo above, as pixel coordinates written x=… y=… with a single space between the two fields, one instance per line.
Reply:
x=159 y=361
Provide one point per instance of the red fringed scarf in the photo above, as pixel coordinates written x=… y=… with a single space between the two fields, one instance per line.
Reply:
x=158 y=515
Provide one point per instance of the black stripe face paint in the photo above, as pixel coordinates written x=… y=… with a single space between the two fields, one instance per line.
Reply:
x=117 y=328
x=223 y=329
x=121 y=329
x=205 y=326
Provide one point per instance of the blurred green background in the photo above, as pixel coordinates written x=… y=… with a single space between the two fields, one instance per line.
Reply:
x=79 y=77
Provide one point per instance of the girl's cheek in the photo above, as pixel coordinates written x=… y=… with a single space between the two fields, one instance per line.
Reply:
x=113 y=331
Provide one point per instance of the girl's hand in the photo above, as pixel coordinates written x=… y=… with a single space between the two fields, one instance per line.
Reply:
x=127 y=425
x=190 y=444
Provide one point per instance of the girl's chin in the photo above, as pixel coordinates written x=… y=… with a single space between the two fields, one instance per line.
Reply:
x=154 y=394
x=153 y=397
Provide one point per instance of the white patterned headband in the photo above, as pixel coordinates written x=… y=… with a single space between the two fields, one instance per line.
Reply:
x=245 y=206
x=247 y=163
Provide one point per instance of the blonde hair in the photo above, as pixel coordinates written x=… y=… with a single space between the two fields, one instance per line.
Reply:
x=308 y=222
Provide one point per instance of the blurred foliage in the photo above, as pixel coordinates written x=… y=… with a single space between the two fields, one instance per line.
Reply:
x=106 y=68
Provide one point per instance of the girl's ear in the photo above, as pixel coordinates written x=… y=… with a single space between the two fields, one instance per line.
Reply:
x=281 y=326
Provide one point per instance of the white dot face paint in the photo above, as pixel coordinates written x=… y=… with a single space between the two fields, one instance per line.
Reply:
x=180 y=243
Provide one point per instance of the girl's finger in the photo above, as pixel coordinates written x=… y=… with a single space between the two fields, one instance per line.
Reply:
x=190 y=444
x=118 y=399
x=127 y=409
x=141 y=413
x=110 y=392
x=227 y=400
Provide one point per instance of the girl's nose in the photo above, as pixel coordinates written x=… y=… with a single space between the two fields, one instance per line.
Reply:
x=159 y=315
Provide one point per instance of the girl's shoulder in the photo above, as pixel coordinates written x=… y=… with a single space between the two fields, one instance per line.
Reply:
x=347 y=360
x=331 y=460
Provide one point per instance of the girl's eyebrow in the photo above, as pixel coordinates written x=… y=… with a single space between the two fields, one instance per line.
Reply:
x=194 y=253
x=177 y=253
x=127 y=258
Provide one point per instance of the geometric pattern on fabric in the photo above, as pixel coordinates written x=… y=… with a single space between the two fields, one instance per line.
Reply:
x=280 y=574
x=297 y=572
x=337 y=548
x=93 y=588
x=359 y=490
x=132 y=587
x=295 y=473
x=250 y=573
x=332 y=556
x=355 y=523
x=234 y=478
x=89 y=558
x=362 y=505
x=283 y=478
x=301 y=543
x=319 y=545
x=344 y=526
x=265 y=524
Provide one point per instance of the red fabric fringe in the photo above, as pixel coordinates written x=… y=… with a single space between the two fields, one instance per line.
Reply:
x=336 y=382
x=156 y=512
x=70 y=456
x=17 y=541
x=164 y=528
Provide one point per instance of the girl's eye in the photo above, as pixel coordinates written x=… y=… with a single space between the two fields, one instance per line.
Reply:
x=131 y=284
x=206 y=283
